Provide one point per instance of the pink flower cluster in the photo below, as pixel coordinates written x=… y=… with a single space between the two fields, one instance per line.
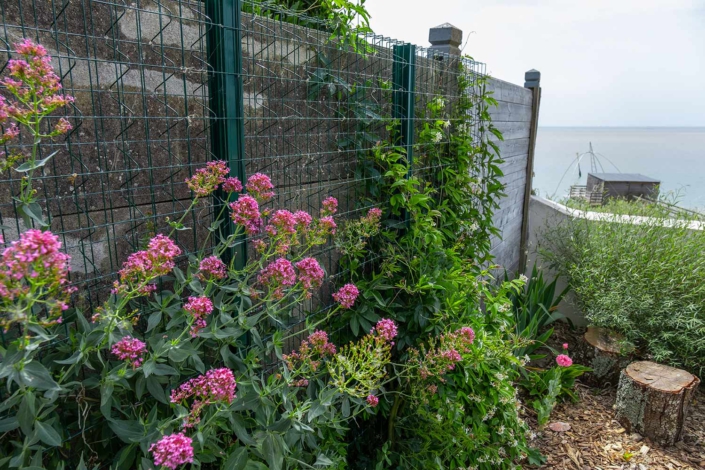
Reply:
x=374 y=215
x=330 y=206
x=326 y=226
x=172 y=451
x=216 y=386
x=245 y=212
x=311 y=351
x=372 y=400
x=206 y=180
x=143 y=267
x=260 y=187
x=443 y=358
x=32 y=81
x=563 y=360
x=131 y=350
x=211 y=268
x=385 y=329
x=310 y=275
x=277 y=276
x=282 y=228
x=346 y=295
x=232 y=185
x=303 y=219
x=34 y=265
x=199 y=308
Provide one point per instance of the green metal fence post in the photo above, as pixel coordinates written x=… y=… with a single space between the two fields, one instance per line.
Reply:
x=404 y=87
x=226 y=100
x=404 y=82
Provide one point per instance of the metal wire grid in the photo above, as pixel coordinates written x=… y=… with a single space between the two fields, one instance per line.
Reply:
x=139 y=73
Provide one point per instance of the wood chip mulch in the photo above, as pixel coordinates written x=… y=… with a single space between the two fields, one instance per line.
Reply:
x=596 y=441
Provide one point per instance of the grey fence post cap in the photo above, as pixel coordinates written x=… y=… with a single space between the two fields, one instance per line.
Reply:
x=532 y=79
x=446 y=38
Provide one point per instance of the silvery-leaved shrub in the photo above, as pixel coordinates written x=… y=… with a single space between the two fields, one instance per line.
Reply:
x=645 y=280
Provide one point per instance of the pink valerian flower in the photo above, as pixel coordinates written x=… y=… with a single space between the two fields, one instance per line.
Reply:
x=10 y=133
x=374 y=215
x=311 y=352
x=563 y=360
x=327 y=226
x=212 y=268
x=143 y=267
x=199 y=308
x=245 y=212
x=259 y=186
x=172 y=451
x=62 y=127
x=303 y=219
x=206 y=180
x=466 y=334
x=372 y=400
x=277 y=276
x=282 y=222
x=33 y=269
x=300 y=383
x=232 y=185
x=216 y=386
x=282 y=228
x=131 y=350
x=330 y=206
x=346 y=295
x=310 y=275
x=260 y=246
x=443 y=356
x=32 y=78
x=385 y=329
x=565 y=345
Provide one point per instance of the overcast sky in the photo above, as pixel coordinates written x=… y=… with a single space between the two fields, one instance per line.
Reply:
x=603 y=62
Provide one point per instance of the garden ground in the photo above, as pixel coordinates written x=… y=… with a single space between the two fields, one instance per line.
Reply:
x=596 y=441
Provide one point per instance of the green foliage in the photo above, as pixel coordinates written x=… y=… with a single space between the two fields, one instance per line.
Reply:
x=645 y=280
x=347 y=20
x=70 y=398
x=550 y=386
x=535 y=307
x=426 y=270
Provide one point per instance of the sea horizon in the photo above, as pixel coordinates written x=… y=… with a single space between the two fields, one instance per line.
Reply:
x=675 y=155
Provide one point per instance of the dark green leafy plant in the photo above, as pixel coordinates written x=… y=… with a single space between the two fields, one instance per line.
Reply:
x=551 y=385
x=535 y=308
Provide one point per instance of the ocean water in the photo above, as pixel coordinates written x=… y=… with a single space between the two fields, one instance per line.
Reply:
x=673 y=155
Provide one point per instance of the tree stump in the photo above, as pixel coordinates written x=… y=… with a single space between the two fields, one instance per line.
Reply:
x=606 y=353
x=653 y=400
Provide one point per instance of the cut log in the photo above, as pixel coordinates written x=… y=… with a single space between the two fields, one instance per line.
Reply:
x=606 y=353
x=653 y=400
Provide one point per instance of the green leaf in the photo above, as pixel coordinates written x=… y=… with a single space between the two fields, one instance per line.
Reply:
x=273 y=451
x=154 y=320
x=36 y=375
x=29 y=166
x=75 y=357
x=8 y=424
x=34 y=212
x=156 y=389
x=252 y=465
x=48 y=434
x=237 y=460
x=128 y=431
x=163 y=369
x=323 y=461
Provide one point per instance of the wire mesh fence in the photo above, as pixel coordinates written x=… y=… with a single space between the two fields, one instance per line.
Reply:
x=149 y=95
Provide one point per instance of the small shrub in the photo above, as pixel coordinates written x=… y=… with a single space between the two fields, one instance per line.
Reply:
x=645 y=280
